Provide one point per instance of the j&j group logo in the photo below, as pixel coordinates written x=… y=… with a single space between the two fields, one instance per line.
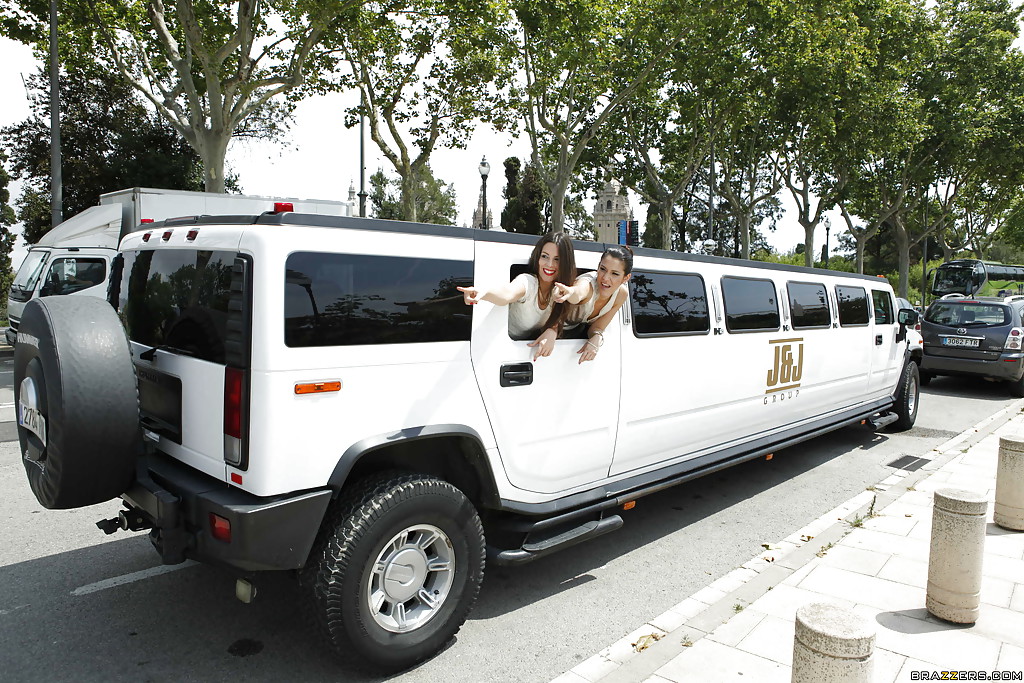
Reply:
x=787 y=369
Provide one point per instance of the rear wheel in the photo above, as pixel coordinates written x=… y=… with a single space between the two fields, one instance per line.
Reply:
x=906 y=398
x=396 y=569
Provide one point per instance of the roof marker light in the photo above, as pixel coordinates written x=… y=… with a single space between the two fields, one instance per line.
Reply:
x=167 y=235
x=192 y=234
x=145 y=220
x=282 y=207
x=145 y=238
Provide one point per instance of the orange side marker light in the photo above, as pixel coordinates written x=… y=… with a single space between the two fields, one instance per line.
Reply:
x=630 y=505
x=317 y=387
x=769 y=456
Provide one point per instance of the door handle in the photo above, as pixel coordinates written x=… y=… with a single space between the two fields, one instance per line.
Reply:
x=878 y=340
x=516 y=375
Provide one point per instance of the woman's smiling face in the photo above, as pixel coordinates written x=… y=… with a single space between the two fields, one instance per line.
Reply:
x=548 y=263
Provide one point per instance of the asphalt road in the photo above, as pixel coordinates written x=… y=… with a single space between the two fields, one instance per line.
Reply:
x=78 y=605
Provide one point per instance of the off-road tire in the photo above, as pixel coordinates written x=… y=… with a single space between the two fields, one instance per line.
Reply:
x=907 y=398
x=73 y=362
x=362 y=525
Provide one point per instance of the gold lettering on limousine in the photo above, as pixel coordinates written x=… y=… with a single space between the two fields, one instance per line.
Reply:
x=788 y=367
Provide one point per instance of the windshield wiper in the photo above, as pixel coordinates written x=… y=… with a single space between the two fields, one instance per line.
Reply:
x=151 y=353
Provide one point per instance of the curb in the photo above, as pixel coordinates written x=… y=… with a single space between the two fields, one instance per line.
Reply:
x=660 y=639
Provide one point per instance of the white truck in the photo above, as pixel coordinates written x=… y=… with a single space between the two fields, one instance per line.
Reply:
x=74 y=257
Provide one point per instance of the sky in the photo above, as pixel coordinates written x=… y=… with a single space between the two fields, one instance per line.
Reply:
x=319 y=157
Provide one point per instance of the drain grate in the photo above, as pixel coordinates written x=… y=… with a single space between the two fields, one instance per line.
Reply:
x=909 y=463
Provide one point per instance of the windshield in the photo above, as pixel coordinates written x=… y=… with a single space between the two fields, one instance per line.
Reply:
x=28 y=273
x=959 y=314
x=177 y=298
x=953 y=280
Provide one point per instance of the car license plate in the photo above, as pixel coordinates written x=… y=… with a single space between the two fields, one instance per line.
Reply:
x=32 y=420
x=960 y=341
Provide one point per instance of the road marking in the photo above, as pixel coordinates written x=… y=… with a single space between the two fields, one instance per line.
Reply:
x=6 y=405
x=131 y=578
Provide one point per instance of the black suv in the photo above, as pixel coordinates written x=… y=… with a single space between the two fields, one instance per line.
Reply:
x=980 y=336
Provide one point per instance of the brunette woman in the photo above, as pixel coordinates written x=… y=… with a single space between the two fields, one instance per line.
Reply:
x=533 y=313
x=595 y=297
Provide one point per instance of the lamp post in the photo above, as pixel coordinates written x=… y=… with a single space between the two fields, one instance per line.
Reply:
x=485 y=170
x=827 y=226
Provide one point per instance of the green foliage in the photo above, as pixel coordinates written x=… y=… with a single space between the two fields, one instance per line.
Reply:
x=435 y=199
x=526 y=200
x=7 y=220
x=109 y=141
x=426 y=72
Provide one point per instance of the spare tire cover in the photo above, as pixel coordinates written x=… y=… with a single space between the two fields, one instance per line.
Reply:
x=77 y=401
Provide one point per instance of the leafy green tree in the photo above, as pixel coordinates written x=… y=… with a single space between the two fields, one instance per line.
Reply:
x=7 y=220
x=424 y=70
x=211 y=70
x=111 y=141
x=435 y=199
x=580 y=61
x=526 y=205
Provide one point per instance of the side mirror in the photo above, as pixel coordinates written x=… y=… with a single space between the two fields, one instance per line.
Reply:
x=907 y=316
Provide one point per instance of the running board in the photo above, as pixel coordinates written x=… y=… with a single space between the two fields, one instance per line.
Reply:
x=879 y=421
x=545 y=546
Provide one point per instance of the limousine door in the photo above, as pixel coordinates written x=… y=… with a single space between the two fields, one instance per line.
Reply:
x=885 y=365
x=554 y=420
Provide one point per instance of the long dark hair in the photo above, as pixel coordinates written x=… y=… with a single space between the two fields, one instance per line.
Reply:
x=566 y=271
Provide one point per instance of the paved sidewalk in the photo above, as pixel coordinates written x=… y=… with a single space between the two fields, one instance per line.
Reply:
x=870 y=555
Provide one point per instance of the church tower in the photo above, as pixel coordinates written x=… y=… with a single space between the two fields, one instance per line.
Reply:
x=611 y=207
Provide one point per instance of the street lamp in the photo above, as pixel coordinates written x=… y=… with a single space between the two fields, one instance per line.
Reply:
x=485 y=170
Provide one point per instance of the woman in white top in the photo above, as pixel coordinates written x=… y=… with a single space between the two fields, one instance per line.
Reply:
x=595 y=297
x=533 y=312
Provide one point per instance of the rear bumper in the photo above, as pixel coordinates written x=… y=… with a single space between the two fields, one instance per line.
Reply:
x=266 y=533
x=1009 y=366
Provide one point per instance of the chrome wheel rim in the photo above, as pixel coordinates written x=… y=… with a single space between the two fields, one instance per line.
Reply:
x=912 y=398
x=411 y=578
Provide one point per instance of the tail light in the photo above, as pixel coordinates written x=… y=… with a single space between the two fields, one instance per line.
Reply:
x=1014 y=339
x=234 y=416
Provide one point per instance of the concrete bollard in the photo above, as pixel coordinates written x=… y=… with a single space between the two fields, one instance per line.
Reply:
x=832 y=645
x=954 y=561
x=1009 y=508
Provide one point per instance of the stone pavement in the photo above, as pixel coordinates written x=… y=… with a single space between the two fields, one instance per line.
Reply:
x=869 y=555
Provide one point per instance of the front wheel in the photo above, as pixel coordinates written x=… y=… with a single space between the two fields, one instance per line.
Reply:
x=907 y=398
x=396 y=569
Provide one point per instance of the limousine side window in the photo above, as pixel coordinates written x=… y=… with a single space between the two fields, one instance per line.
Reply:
x=350 y=299
x=853 y=305
x=668 y=303
x=750 y=305
x=809 y=305
x=883 y=307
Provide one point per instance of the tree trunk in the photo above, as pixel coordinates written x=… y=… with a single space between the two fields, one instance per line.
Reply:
x=558 y=189
x=903 y=252
x=212 y=149
x=666 y=224
x=809 y=228
x=409 y=188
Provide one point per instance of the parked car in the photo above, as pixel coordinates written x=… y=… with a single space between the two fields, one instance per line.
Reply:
x=915 y=342
x=978 y=337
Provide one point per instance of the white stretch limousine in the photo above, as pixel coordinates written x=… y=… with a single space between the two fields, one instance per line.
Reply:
x=311 y=393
